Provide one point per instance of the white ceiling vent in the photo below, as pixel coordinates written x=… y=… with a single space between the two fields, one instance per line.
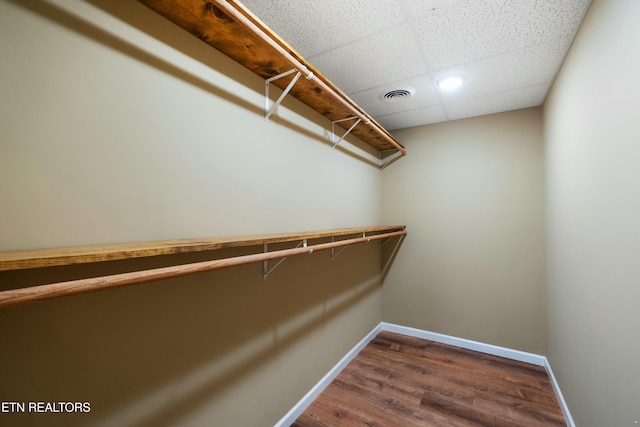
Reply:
x=400 y=94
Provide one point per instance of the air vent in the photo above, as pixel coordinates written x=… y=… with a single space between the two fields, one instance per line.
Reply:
x=400 y=94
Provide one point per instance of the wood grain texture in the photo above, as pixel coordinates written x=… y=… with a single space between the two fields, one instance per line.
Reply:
x=398 y=380
x=54 y=290
x=15 y=260
x=209 y=23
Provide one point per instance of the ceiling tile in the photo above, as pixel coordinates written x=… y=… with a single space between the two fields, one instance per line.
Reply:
x=497 y=102
x=371 y=99
x=463 y=31
x=530 y=22
x=459 y=33
x=379 y=59
x=423 y=7
x=312 y=27
x=406 y=119
x=525 y=67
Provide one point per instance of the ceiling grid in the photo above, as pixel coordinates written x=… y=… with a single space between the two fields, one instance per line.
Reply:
x=508 y=52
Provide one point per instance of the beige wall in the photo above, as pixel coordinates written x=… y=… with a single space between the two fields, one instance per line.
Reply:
x=592 y=134
x=472 y=266
x=116 y=126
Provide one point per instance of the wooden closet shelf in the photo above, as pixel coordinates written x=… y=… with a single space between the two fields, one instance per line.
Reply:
x=17 y=260
x=232 y=29
x=93 y=253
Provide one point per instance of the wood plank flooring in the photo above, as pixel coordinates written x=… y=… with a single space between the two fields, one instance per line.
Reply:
x=398 y=380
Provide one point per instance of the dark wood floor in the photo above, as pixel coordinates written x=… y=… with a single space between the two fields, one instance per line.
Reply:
x=398 y=380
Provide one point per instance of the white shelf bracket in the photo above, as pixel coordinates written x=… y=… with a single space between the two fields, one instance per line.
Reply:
x=265 y=264
x=335 y=143
x=392 y=255
x=268 y=110
x=392 y=158
x=335 y=254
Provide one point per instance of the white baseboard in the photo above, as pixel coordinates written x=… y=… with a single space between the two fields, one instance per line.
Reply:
x=563 y=404
x=299 y=408
x=534 y=359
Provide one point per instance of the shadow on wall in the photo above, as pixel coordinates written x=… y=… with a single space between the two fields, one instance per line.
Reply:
x=152 y=353
x=156 y=26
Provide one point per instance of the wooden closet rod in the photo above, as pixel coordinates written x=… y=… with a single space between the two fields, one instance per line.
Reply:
x=308 y=74
x=54 y=290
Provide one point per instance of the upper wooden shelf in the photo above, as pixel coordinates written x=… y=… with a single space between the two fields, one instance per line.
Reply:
x=17 y=260
x=232 y=29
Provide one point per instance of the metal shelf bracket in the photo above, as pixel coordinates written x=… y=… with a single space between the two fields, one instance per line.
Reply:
x=335 y=143
x=268 y=110
x=265 y=264
x=334 y=254
x=392 y=158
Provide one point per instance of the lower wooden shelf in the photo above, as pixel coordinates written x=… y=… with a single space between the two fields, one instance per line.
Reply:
x=86 y=254
x=18 y=260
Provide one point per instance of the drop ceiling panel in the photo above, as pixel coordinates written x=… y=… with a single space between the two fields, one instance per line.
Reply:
x=314 y=27
x=459 y=34
x=510 y=50
x=465 y=31
x=377 y=58
x=497 y=102
x=525 y=67
x=417 y=117
x=425 y=96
